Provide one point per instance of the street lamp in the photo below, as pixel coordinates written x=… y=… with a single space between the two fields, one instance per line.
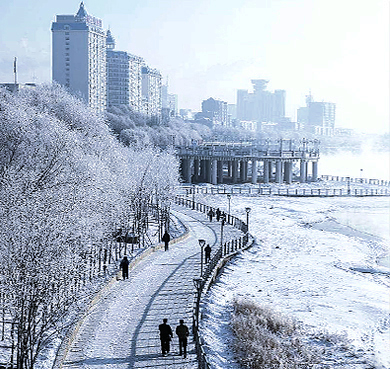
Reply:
x=201 y=244
x=348 y=185
x=248 y=210
x=229 y=196
x=361 y=175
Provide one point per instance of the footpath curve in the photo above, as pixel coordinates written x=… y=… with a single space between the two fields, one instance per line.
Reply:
x=121 y=329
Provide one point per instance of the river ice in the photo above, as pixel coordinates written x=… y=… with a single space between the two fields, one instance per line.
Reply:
x=323 y=261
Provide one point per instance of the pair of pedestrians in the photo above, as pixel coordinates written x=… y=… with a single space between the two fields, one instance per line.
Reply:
x=166 y=336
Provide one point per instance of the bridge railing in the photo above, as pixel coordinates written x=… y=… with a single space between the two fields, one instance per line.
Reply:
x=216 y=263
x=320 y=192
x=229 y=219
x=371 y=181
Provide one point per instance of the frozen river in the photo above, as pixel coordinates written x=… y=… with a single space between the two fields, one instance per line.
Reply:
x=323 y=261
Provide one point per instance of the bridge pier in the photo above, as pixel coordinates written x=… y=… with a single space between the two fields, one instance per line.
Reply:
x=303 y=171
x=266 y=170
x=314 y=175
x=278 y=171
x=196 y=170
x=220 y=171
x=234 y=171
x=243 y=171
x=254 y=171
x=186 y=170
x=213 y=171
x=203 y=170
x=288 y=172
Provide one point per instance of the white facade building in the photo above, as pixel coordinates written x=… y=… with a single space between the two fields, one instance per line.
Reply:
x=152 y=92
x=124 y=77
x=79 y=56
x=135 y=80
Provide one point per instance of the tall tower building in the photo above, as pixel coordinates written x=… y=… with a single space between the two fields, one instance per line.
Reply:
x=124 y=77
x=151 y=92
x=79 y=56
x=117 y=74
x=261 y=105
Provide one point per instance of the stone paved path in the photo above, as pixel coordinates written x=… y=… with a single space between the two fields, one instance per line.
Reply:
x=121 y=330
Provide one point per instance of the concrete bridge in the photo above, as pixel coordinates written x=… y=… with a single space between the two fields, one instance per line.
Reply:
x=265 y=160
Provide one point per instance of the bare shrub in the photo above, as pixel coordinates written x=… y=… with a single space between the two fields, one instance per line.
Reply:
x=265 y=339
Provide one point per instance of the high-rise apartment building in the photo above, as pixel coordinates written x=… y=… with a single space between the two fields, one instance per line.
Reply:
x=151 y=92
x=261 y=105
x=79 y=56
x=117 y=74
x=124 y=77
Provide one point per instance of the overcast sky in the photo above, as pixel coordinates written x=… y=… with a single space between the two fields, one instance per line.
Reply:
x=210 y=48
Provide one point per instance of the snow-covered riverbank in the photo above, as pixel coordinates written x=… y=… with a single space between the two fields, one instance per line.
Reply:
x=322 y=261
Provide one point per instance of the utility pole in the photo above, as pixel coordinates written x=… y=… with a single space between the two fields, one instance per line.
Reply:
x=15 y=73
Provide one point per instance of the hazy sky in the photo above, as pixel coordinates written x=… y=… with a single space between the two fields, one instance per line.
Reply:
x=210 y=48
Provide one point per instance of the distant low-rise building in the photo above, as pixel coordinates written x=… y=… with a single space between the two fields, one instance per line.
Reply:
x=15 y=87
x=214 y=111
x=317 y=117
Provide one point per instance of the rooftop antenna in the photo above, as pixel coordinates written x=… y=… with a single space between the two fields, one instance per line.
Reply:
x=15 y=73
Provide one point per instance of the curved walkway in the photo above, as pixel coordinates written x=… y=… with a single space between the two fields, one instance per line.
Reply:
x=121 y=330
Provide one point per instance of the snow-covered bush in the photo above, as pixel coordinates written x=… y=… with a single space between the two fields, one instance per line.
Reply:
x=265 y=339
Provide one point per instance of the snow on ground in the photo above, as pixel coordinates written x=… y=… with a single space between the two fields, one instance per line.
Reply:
x=323 y=261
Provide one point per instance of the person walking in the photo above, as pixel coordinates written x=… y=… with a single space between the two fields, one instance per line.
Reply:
x=166 y=238
x=165 y=336
x=124 y=266
x=218 y=214
x=211 y=214
x=182 y=332
x=207 y=253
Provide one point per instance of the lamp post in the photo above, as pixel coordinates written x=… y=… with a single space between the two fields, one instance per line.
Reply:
x=248 y=210
x=361 y=175
x=229 y=196
x=348 y=185
x=201 y=244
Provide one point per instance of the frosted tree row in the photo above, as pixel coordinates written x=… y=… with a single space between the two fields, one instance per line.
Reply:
x=66 y=184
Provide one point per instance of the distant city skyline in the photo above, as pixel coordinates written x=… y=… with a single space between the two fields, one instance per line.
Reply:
x=336 y=49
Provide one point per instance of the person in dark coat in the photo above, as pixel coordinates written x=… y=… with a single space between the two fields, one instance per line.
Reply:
x=165 y=336
x=211 y=214
x=124 y=266
x=166 y=238
x=218 y=214
x=207 y=253
x=182 y=332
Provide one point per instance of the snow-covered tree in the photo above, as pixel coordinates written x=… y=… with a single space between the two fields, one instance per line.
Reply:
x=66 y=183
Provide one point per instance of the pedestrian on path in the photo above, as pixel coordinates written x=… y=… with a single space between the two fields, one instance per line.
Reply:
x=124 y=266
x=207 y=253
x=183 y=333
x=218 y=214
x=165 y=336
x=211 y=214
x=166 y=238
